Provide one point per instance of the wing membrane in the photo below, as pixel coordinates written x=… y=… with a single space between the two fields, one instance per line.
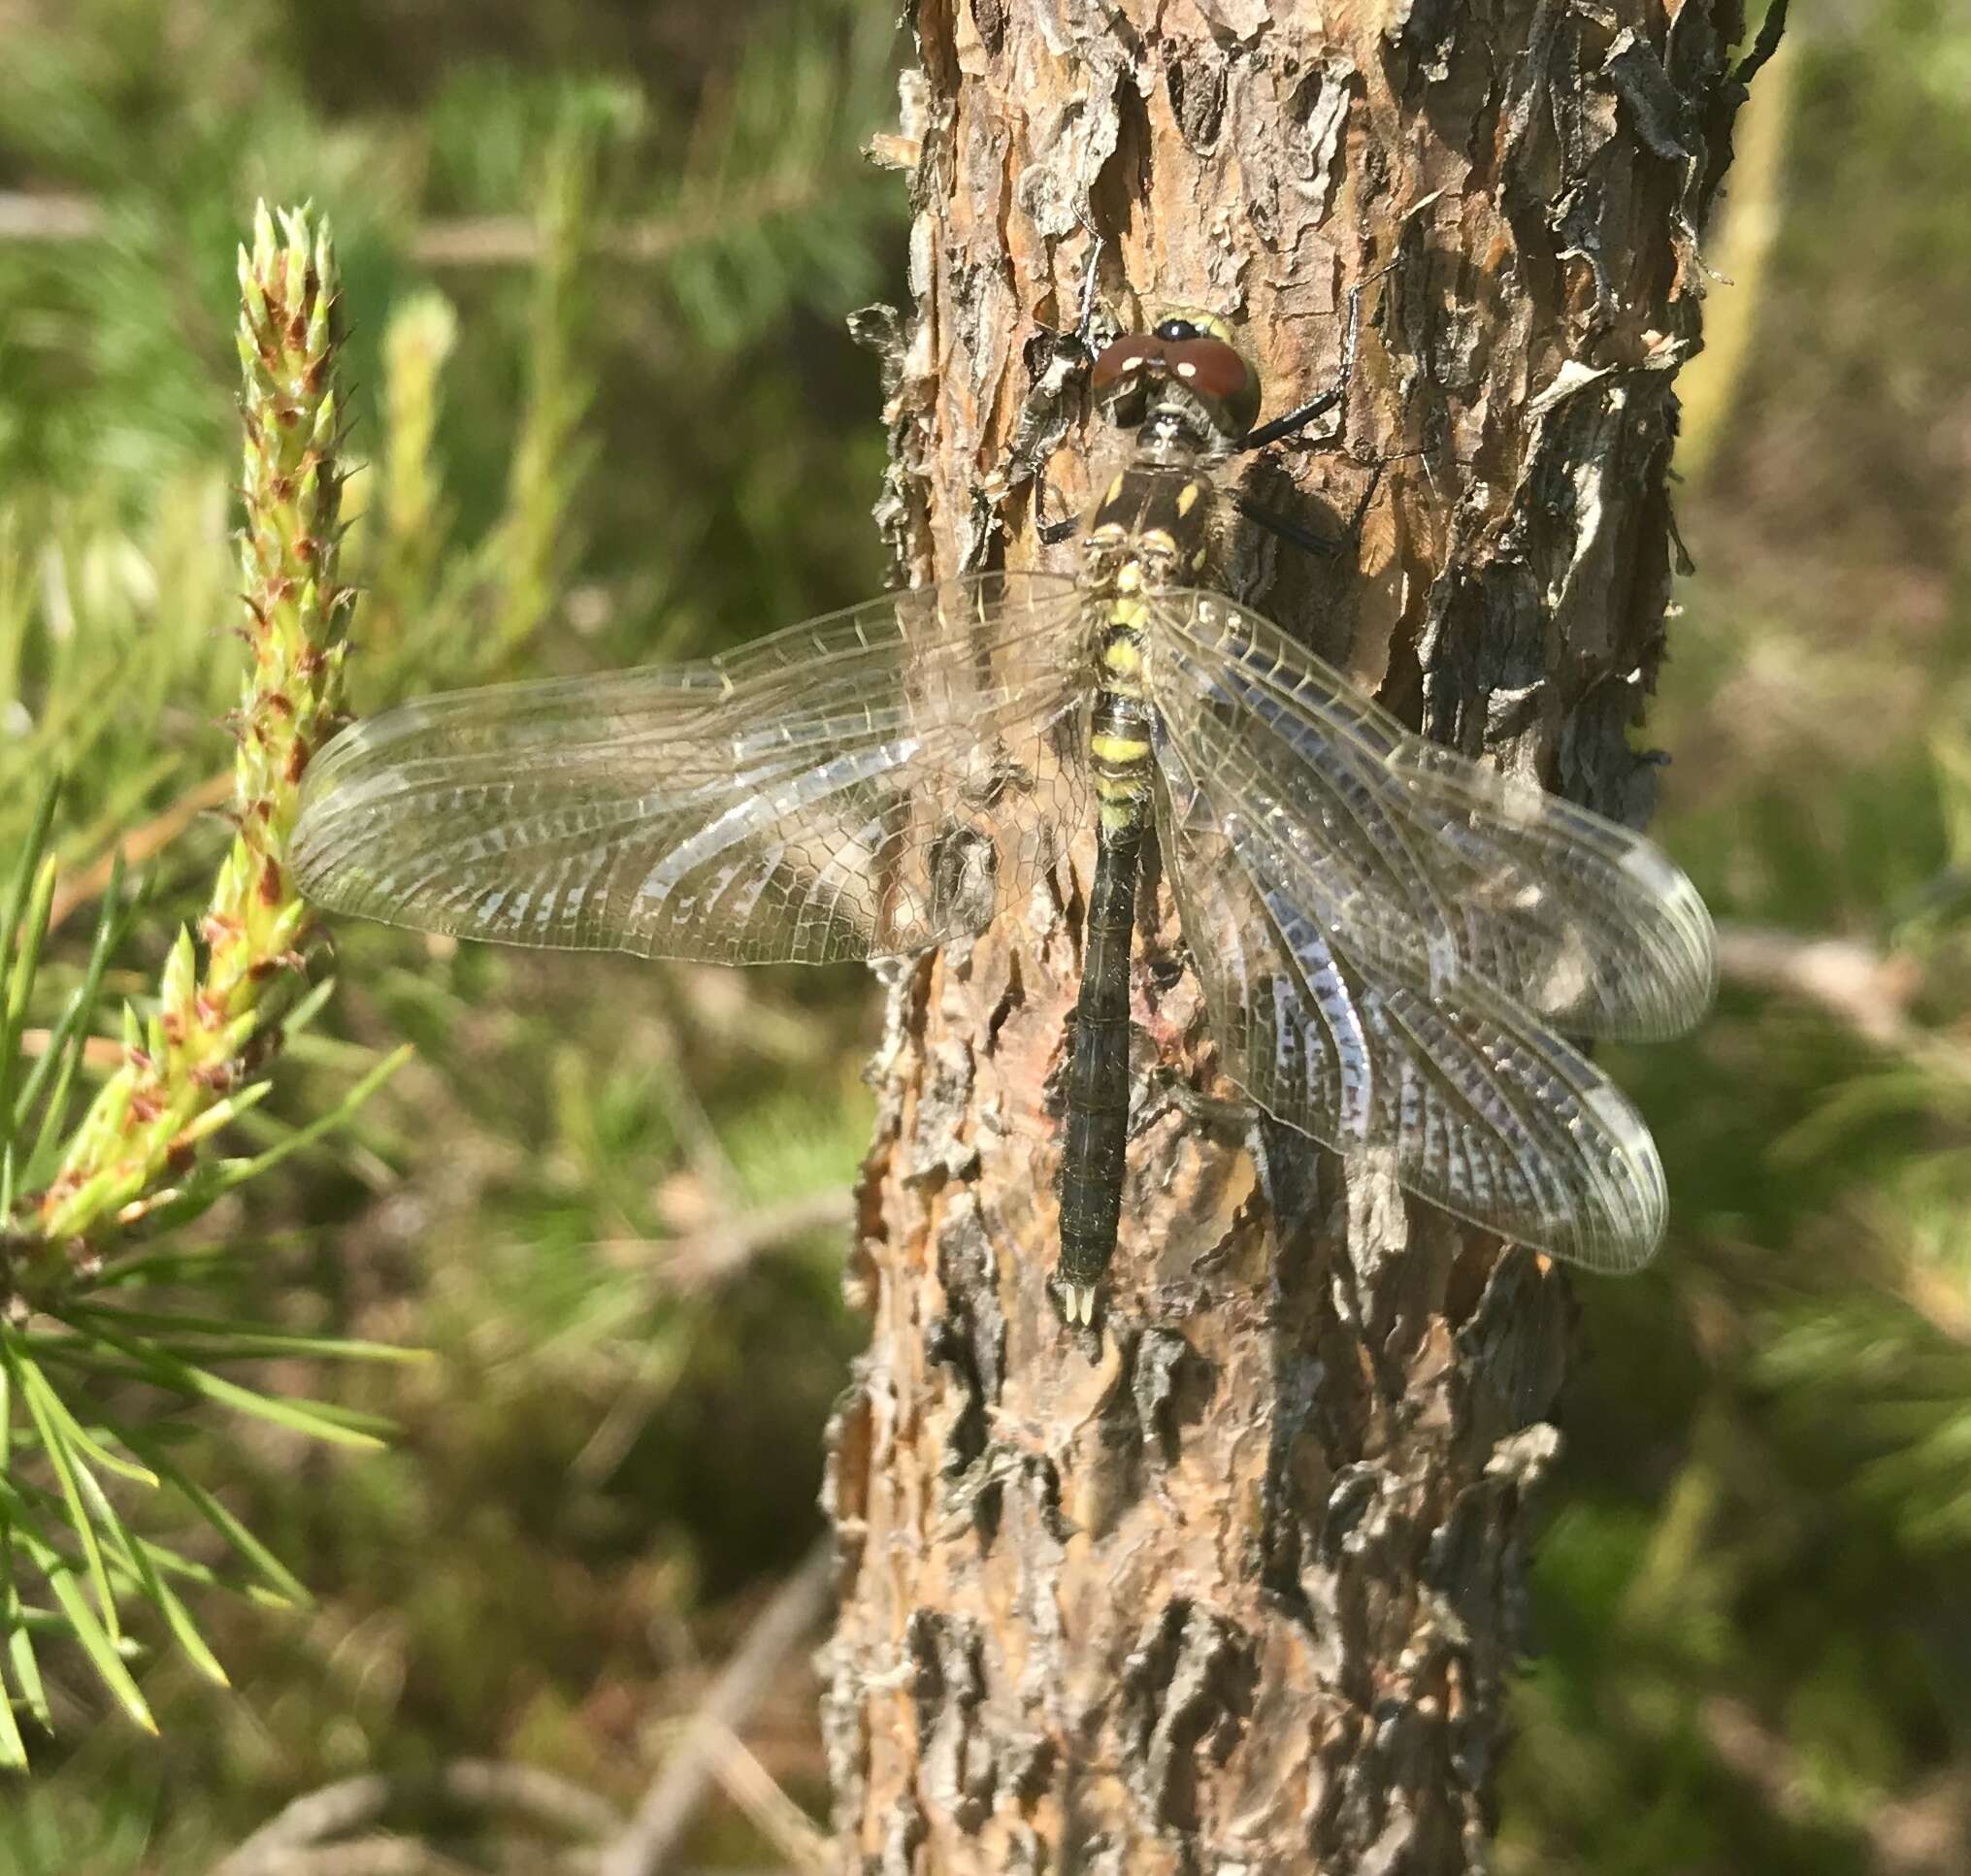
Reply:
x=1476 y=1108
x=869 y=783
x=1413 y=856
x=1388 y=934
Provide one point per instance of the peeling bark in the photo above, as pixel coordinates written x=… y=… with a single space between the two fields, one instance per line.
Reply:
x=1235 y=1585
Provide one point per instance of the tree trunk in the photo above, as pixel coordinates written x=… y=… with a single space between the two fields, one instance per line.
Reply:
x=1237 y=1585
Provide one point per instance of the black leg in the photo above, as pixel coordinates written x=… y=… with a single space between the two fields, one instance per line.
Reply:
x=1293 y=420
x=1051 y=534
x=1336 y=396
x=1325 y=546
x=1232 y=1118
x=1369 y=490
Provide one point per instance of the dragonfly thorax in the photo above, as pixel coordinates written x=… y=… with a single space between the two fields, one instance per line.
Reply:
x=1156 y=526
x=1185 y=396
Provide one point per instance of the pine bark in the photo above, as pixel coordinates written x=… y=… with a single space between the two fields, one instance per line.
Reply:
x=1236 y=1585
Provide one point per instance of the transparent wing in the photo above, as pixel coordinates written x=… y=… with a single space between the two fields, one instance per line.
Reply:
x=869 y=783
x=1386 y=934
x=1476 y=1108
x=1410 y=855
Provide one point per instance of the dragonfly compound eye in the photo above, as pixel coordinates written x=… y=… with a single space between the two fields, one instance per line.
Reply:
x=1217 y=375
x=1122 y=375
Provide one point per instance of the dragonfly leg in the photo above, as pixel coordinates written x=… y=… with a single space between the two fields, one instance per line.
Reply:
x=1336 y=397
x=1297 y=419
x=1050 y=534
x=1070 y=354
x=1324 y=547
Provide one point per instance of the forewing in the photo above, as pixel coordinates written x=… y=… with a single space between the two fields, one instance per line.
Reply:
x=1471 y=1104
x=870 y=784
x=1415 y=858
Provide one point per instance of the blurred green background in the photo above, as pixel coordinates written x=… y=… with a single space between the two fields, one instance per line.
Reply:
x=598 y=257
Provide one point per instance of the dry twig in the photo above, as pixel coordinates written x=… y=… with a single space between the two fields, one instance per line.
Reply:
x=656 y=1833
x=773 y=1813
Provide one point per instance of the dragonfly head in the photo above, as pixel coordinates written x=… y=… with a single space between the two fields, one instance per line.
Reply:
x=1184 y=379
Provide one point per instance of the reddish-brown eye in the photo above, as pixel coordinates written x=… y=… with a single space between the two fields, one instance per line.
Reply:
x=1209 y=367
x=1116 y=363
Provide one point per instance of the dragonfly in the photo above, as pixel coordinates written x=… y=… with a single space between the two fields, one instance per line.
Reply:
x=1394 y=941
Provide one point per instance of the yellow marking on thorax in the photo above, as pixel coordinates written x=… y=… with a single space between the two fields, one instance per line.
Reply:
x=1123 y=657
x=1187 y=498
x=1115 y=489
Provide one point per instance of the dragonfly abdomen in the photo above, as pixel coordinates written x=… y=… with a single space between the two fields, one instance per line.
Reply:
x=1098 y=1069
x=1099 y=1073
x=1152 y=526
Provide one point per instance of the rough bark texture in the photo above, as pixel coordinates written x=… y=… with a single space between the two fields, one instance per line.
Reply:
x=1236 y=1585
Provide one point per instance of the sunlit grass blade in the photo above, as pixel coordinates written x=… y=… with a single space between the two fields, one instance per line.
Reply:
x=178 y=1621
x=24 y=934
x=74 y=1356
x=12 y=1747
x=70 y=1038
x=23 y=1668
x=321 y=1420
x=318 y=1419
x=236 y=1337
x=89 y=1443
x=170 y=1261
x=284 y=1587
x=306 y=1009
x=119 y=1541
x=140 y=1560
x=32 y=852
x=35 y=1386
x=51 y=1422
x=23 y=1665
x=167 y=1562
x=95 y=1642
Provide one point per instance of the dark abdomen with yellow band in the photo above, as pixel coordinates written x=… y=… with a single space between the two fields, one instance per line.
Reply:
x=1152 y=530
